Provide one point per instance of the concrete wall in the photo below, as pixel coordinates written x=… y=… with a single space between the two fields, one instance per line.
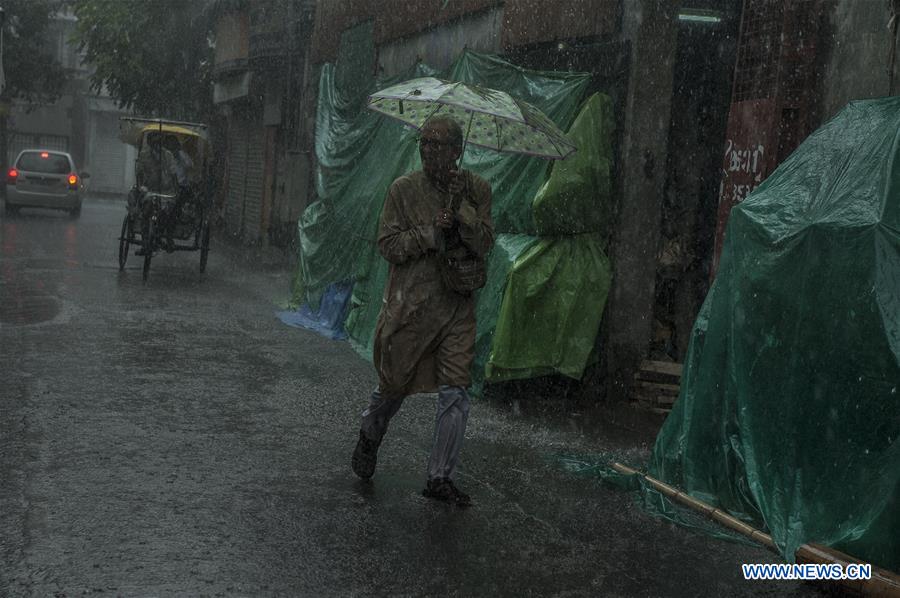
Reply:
x=232 y=38
x=439 y=47
x=392 y=20
x=650 y=26
x=47 y=119
x=524 y=22
x=856 y=46
x=534 y=21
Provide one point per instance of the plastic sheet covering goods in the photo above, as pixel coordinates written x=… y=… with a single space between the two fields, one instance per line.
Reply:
x=789 y=413
x=360 y=153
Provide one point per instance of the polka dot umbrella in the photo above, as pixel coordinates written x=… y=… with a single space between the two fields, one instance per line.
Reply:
x=489 y=118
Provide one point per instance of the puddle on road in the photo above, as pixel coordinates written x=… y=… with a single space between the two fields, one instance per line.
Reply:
x=24 y=302
x=27 y=309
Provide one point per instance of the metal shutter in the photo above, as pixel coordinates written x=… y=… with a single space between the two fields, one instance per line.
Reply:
x=237 y=156
x=245 y=179
x=255 y=176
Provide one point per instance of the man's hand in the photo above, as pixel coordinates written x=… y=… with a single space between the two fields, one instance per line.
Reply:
x=444 y=218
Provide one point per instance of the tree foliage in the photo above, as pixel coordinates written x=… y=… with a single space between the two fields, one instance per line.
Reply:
x=32 y=71
x=153 y=56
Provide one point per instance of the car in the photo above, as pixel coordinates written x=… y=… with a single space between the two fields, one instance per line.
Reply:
x=44 y=179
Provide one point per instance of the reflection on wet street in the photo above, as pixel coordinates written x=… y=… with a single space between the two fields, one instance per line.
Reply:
x=174 y=438
x=29 y=295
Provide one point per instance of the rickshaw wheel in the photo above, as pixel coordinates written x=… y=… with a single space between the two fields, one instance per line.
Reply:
x=204 y=246
x=124 y=241
x=149 y=243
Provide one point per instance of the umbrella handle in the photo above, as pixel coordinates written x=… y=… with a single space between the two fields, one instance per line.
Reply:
x=465 y=140
x=452 y=204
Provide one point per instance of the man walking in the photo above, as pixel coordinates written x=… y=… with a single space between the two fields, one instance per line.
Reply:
x=425 y=335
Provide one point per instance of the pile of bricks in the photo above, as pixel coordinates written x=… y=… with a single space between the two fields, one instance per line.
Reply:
x=656 y=386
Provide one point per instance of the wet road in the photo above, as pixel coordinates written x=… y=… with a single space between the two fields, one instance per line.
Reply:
x=174 y=438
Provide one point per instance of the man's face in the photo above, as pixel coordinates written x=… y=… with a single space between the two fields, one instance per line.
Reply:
x=438 y=152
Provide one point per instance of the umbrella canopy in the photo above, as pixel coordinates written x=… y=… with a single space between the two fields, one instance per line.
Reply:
x=489 y=118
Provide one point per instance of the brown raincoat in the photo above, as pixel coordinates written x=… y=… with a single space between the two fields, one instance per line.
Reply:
x=425 y=335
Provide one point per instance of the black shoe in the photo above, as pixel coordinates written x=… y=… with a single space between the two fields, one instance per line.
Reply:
x=365 y=456
x=443 y=489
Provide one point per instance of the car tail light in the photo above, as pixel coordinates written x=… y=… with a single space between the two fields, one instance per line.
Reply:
x=45 y=155
x=73 y=180
x=12 y=176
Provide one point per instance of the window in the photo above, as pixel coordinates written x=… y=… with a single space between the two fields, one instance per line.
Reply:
x=52 y=164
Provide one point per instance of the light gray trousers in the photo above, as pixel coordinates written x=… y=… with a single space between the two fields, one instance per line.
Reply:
x=449 y=426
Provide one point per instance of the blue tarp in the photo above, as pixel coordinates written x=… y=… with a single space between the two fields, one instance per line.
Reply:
x=328 y=320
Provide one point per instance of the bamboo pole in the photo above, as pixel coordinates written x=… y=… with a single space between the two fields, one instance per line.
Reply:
x=883 y=583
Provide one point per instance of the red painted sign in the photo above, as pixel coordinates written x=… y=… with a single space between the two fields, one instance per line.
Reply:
x=749 y=157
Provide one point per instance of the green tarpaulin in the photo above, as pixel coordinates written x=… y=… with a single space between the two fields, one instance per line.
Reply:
x=789 y=413
x=360 y=153
x=556 y=290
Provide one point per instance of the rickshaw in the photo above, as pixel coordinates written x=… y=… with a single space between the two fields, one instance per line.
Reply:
x=162 y=215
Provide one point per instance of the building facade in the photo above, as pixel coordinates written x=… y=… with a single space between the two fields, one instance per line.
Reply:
x=709 y=97
x=260 y=77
